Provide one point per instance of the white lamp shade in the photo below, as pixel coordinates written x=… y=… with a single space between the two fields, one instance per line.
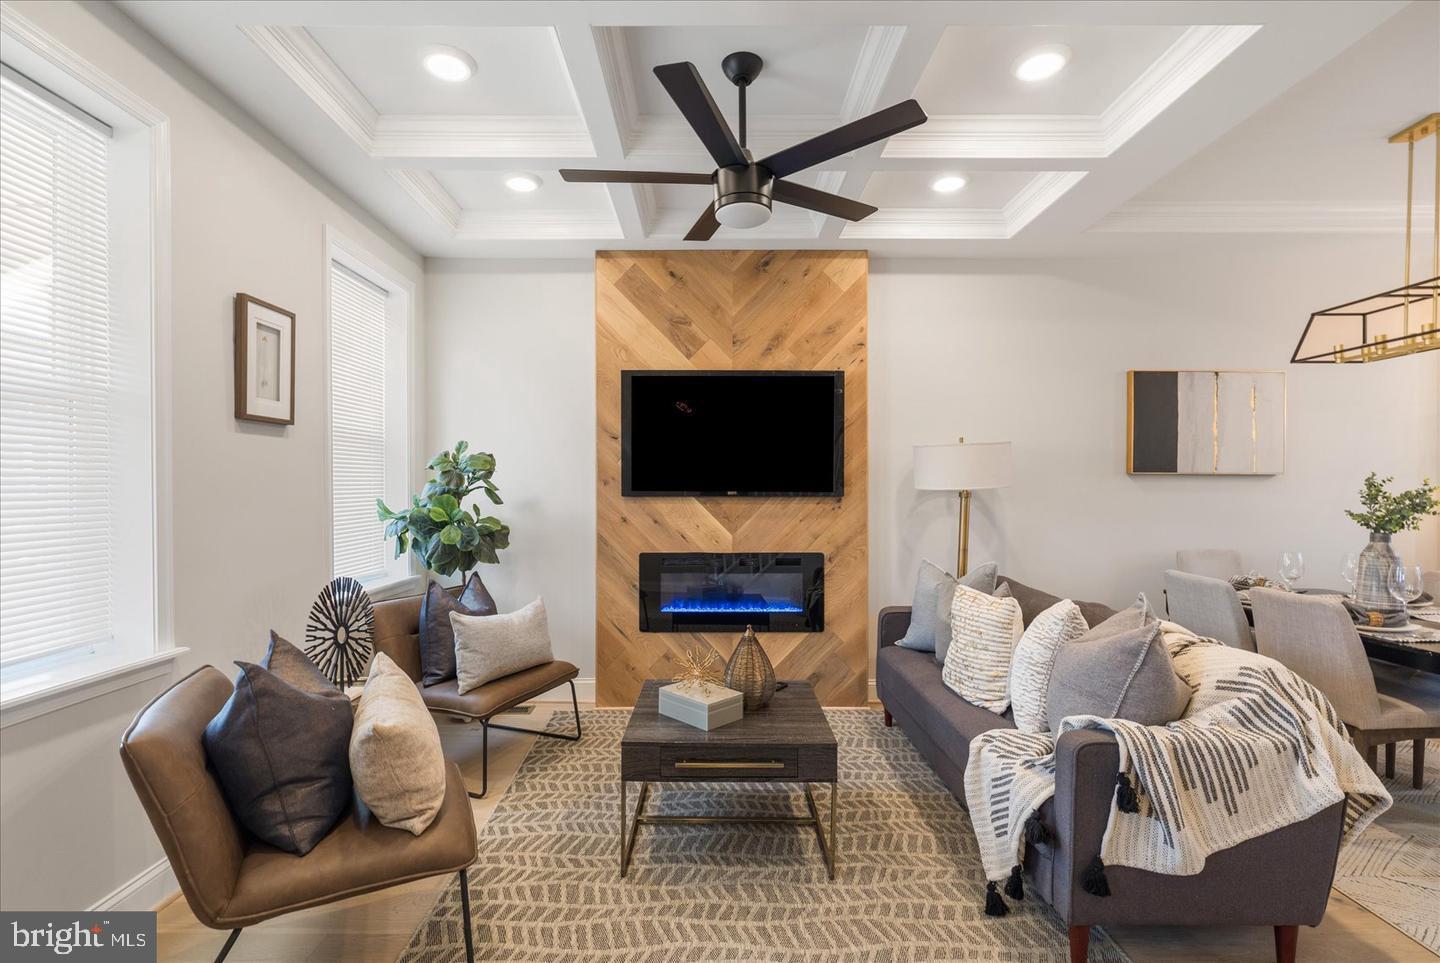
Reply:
x=953 y=468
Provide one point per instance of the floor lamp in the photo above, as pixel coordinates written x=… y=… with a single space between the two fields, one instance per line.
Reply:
x=962 y=468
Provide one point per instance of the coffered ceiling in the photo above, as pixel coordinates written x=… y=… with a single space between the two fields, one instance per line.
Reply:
x=1149 y=85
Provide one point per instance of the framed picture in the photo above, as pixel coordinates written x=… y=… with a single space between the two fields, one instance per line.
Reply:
x=1205 y=422
x=264 y=362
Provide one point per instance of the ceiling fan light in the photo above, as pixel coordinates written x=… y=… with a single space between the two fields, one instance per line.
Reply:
x=1042 y=63
x=742 y=214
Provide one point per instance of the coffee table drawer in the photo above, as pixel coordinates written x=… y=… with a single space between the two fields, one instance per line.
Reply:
x=728 y=763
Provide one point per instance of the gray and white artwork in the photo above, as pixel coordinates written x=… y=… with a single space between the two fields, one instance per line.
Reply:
x=1206 y=422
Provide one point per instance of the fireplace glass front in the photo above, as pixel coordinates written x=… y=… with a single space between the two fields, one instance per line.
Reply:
x=721 y=591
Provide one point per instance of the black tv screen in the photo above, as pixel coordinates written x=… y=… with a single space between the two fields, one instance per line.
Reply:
x=732 y=432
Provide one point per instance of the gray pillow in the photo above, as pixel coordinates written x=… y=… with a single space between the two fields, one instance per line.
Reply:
x=1120 y=669
x=437 y=638
x=280 y=749
x=489 y=647
x=981 y=579
x=931 y=585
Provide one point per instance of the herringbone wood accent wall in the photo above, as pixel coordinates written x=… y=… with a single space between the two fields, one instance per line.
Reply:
x=717 y=310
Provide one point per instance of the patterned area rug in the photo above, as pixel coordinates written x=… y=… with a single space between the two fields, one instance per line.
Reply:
x=910 y=888
x=1393 y=868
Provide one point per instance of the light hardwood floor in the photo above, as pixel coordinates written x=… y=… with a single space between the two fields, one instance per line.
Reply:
x=377 y=927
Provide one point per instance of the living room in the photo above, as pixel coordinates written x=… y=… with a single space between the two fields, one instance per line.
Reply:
x=711 y=481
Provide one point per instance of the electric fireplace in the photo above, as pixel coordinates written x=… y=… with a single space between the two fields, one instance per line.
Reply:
x=721 y=591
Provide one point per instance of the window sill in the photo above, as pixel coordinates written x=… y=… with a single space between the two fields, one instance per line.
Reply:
x=386 y=587
x=25 y=704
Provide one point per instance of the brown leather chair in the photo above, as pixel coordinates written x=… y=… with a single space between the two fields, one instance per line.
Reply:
x=232 y=880
x=397 y=634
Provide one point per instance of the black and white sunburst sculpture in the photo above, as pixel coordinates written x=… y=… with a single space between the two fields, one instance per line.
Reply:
x=340 y=634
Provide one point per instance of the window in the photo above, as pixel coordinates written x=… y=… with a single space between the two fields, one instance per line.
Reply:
x=77 y=470
x=369 y=450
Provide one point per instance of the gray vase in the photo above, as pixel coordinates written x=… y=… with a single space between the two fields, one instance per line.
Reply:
x=1372 y=580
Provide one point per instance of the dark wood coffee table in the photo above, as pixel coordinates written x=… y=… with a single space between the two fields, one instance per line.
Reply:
x=787 y=741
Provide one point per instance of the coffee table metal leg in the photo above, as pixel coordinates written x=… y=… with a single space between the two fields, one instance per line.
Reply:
x=834 y=825
x=622 y=829
x=627 y=846
x=827 y=845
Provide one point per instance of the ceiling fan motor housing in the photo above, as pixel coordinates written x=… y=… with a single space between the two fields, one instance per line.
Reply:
x=738 y=190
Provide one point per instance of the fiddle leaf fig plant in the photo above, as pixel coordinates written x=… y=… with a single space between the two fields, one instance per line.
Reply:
x=446 y=536
x=1385 y=513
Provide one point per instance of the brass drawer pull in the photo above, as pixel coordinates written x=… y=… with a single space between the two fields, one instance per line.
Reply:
x=740 y=764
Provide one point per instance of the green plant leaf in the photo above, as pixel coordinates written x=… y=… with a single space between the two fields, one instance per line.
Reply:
x=453 y=479
x=480 y=461
x=446 y=503
x=402 y=542
x=450 y=535
x=494 y=496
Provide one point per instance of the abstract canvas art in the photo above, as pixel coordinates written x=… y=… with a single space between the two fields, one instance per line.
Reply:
x=1206 y=422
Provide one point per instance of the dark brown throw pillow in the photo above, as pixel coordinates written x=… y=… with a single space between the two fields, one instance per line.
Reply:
x=281 y=749
x=437 y=637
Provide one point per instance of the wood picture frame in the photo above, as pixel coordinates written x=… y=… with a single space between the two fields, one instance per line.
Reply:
x=264 y=361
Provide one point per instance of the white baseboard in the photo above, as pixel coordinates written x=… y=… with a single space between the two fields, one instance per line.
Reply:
x=145 y=891
x=585 y=692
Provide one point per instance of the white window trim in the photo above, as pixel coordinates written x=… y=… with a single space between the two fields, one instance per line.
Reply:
x=50 y=63
x=403 y=578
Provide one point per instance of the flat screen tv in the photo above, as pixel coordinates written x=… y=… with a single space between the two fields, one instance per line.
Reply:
x=732 y=432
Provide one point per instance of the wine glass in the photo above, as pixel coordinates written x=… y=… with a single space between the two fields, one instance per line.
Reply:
x=1350 y=570
x=1405 y=582
x=1291 y=567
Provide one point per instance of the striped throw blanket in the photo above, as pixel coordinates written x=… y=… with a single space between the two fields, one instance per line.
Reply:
x=1259 y=748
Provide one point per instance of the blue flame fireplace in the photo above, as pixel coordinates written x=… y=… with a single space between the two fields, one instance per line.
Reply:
x=724 y=591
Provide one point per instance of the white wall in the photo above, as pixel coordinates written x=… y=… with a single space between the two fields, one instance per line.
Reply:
x=511 y=369
x=250 y=510
x=1034 y=352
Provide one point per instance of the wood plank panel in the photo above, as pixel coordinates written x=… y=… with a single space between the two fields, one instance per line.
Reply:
x=715 y=310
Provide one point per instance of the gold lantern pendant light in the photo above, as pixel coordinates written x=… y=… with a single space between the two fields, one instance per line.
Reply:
x=1393 y=323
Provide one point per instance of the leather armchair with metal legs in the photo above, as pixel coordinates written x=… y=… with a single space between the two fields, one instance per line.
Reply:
x=397 y=634
x=231 y=880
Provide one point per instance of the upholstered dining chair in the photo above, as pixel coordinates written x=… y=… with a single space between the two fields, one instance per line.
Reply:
x=1211 y=562
x=230 y=879
x=1431 y=583
x=1314 y=637
x=1209 y=607
x=397 y=634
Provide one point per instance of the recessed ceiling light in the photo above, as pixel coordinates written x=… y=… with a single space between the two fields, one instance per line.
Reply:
x=522 y=183
x=450 y=64
x=1042 y=63
x=948 y=184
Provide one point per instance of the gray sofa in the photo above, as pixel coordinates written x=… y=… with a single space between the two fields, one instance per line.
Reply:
x=1281 y=879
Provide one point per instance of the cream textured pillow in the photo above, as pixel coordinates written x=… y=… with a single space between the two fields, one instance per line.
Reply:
x=984 y=630
x=488 y=647
x=1034 y=662
x=395 y=758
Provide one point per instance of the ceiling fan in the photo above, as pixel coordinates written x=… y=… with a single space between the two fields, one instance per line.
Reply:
x=745 y=187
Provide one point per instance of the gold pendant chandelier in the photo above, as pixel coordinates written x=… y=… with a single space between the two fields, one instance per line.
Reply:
x=1393 y=323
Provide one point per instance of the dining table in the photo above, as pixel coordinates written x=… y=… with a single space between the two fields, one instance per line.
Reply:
x=1418 y=648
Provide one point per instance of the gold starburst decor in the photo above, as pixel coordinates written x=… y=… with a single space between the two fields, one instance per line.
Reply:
x=699 y=667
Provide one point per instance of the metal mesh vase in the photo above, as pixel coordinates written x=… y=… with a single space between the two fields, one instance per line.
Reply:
x=750 y=673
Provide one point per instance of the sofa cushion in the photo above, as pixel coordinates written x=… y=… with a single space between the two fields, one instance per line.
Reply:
x=1120 y=669
x=1034 y=661
x=932 y=585
x=279 y=748
x=437 y=636
x=494 y=646
x=984 y=631
x=395 y=756
x=1033 y=601
x=911 y=680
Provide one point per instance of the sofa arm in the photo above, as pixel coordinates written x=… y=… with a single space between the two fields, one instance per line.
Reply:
x=1086 y=764
x=892 y=625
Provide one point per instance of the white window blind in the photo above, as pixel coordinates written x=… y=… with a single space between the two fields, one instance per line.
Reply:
x=56 y=357
x=357 y=423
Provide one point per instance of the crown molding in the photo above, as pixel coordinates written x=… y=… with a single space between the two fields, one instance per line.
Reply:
x=872 y=69
x=1244 y=217
x=1044 y=189
x=1198 y=51
x=929 y=223
x=310 y=68
x=614 y=55
x=471 y=225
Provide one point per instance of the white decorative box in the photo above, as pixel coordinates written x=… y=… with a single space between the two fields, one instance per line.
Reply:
x=693 y=706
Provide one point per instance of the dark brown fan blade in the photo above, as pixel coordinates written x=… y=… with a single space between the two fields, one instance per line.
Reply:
x=826 y=203
x=704 y=229
x=632 y=177
x=852 y=136
x=682 y=82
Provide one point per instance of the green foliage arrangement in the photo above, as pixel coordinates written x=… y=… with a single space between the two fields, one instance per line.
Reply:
x=443 y=534
x=1386 y=514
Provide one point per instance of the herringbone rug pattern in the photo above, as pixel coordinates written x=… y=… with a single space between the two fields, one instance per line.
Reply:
x=1393 y=868
x=910 y=887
